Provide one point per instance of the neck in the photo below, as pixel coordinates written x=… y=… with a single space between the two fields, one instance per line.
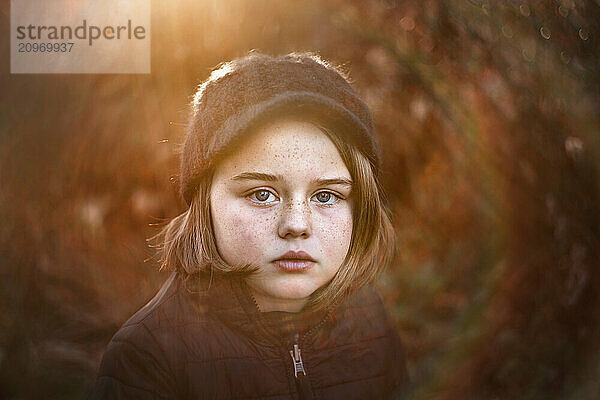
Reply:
x=267 y=304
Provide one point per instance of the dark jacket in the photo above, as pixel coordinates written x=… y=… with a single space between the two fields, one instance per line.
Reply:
x=185 y=344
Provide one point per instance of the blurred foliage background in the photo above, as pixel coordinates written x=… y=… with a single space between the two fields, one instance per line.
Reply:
x=488 y=112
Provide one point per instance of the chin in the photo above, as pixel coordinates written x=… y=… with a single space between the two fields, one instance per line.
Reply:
x=293 y=290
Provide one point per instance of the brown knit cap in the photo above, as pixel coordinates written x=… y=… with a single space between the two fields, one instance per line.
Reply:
x=243 y=92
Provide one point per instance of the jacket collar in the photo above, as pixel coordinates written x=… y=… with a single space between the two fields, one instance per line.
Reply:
x=230 y=300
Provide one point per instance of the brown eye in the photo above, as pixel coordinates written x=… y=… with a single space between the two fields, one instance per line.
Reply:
x=325 y=197
x=262 y=196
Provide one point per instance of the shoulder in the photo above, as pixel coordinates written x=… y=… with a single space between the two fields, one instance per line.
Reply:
x=175 y=306
x=146 y=354
x=162 y=308
x=134 y=365
x=364 y=320
x=365 y=307
x=172 y=313
x=372 y=307
x=366 y=314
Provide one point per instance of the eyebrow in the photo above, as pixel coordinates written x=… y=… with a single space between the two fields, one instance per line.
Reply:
x=261 y=176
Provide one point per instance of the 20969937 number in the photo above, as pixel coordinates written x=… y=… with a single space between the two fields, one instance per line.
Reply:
x=45 y=47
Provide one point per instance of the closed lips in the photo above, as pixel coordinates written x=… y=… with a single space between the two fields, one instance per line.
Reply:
x=295 y=256
x=294 y=262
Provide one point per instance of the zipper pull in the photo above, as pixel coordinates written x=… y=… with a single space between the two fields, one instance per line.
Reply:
x=296 y=354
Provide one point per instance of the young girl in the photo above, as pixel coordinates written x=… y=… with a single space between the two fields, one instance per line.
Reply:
x=270 y=295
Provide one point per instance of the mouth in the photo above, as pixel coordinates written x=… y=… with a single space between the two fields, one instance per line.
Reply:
x=294 y=261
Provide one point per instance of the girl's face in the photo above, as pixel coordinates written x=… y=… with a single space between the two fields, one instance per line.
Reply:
x=281 y=202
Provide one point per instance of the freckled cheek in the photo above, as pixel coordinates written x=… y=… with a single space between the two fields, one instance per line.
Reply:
x=335 y=233
x=248 y=230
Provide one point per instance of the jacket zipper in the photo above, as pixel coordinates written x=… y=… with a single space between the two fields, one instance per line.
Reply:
x=302 y=384
x=296 y=352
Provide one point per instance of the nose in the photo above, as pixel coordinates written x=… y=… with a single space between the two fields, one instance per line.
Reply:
x=295 y=220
